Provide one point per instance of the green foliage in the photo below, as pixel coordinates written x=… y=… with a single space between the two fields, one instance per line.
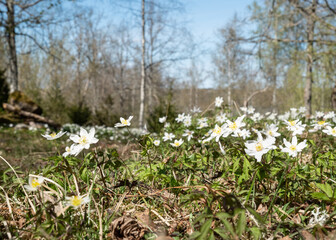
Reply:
x=104 y=115
x=54 y=105
x=162 y=110
x=79 y=114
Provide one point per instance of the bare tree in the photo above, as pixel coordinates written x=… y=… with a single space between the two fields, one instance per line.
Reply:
x=20 y=18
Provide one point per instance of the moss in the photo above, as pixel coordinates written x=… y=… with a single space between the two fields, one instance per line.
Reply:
x=21 y=100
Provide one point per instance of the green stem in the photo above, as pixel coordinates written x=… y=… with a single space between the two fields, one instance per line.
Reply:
x=276 y=192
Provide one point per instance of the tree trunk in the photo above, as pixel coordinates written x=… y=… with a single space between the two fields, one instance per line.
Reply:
x=12 y=74
x=309 y=70
x=143 y=73
x=333 y=98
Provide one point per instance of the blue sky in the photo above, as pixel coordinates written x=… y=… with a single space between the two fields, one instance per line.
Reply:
x=207 y=16
x=204 y=18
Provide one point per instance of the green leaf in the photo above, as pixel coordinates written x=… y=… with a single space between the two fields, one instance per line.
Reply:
x=221 y=232
x=320 y=196
x=195 y=235
x=256 y=233
x=325 y=188
x=241 y=224
x=255 y=214
x=205 y=229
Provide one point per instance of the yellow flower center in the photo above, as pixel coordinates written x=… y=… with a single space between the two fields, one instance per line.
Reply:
x=270 y=133
x=124 y=122
x=53 y=135
x=292 y=148
x=217 y=130
x=83 y=140
x=233 y=126
x=176 y=144
x=259 y=147
x=321 y=122
x=76 y=201
x=35 y=183
x=292 y=123
x=333 y=131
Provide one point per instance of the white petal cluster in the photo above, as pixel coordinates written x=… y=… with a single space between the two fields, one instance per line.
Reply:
x=218 y=101
x=124 y=122
x=257 y=148
x=294 y=147
x=53 y=136
x=34 y=183
x=81 y=141
x=295 y=126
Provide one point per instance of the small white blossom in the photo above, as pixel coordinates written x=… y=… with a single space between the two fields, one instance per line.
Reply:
x=53 y=136
x=330 y=131
x=34 y=183
x=180 y=118
x=84 y=139
x=124 y=122
x=258 y=148
x=77 y=201
x=168 y=136
x=189 y=134
x=221 y=118
x=218 y=101
x=156 y=142
x=294 y=147
x=295 y=126
x=162 y=119
x=177 y=143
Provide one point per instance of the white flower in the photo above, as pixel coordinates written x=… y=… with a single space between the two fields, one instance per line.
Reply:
x=162 y=119
x=318 y=125
x=259 y=147
x=202 y=120
x=330 y=131
x=319 y=114
x=217 y=132
x=195 y=110
x=156 y=142
x=168 y=136
x=293 y=148
x=233 y=127
x=84 y=139
x=329 y=115
x=319 y=217
x=180 y=118
x=302 y=110
x=242 y=133
x=250 y=110
x=72 y=150
x=272 y=131
x=257 y=117
x=53 y=135
x=189 y=134
x=34 y=183
x=77 y=201
x=244 y=109
x=124 y=122
x=272 y=116
x=187 y=121
x=218 y=101
x=177 y=143
x=221 y=118
x=293 y=112
x=202 y=125
x=295 y=126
